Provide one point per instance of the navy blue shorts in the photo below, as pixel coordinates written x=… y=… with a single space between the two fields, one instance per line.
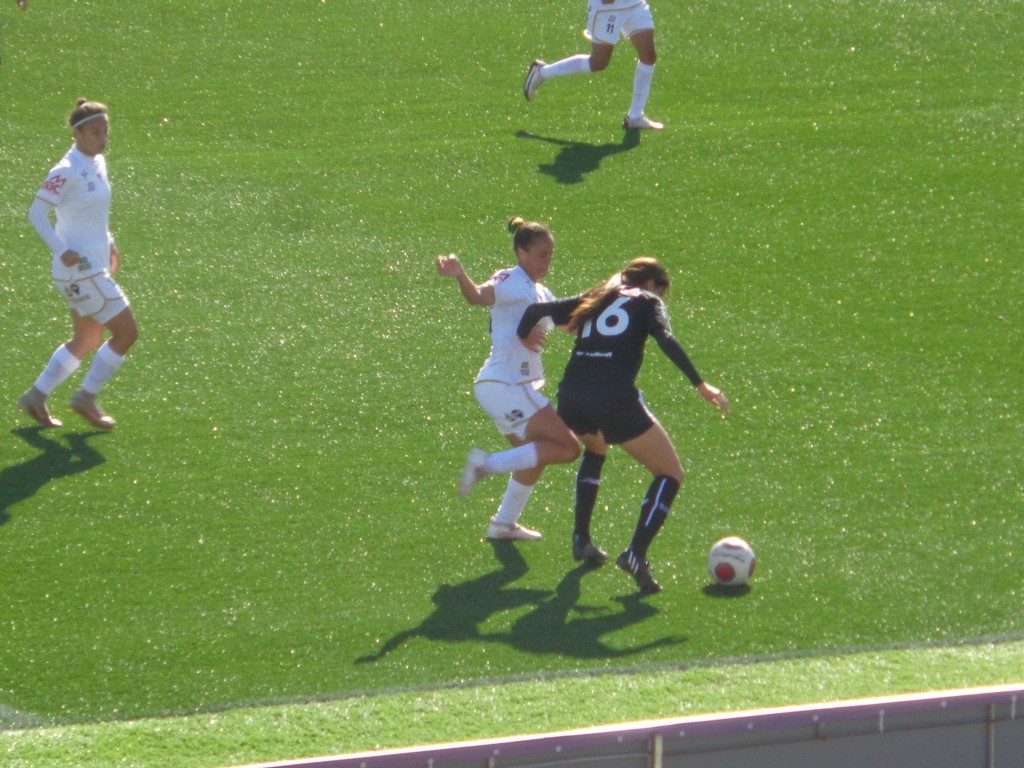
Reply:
x=619 y=418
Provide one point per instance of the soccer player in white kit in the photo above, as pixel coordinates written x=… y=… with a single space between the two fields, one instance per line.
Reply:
x=509 y=383
x=84 y=258
x=607 y=21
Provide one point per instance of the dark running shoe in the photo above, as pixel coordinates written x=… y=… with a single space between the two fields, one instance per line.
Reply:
x=590 y=553
x=639 y=570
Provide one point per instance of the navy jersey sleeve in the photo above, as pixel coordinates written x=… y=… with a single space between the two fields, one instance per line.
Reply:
x=560 y=313
x=661 y=330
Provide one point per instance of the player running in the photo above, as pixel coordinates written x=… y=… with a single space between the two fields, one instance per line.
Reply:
x=607 y=21
x=84 y=258
x=509 y=383
x=599 y=401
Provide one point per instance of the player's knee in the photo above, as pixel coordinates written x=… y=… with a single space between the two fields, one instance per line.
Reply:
x=124 y=340
x=598 y=63
x=85 y=341
x=571 y=450
x=125 y=332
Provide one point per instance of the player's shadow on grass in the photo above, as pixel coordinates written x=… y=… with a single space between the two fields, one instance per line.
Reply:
x=562 y=626
x=576 y=158
x=462 y=608
x=556 y=625
x=19 y=482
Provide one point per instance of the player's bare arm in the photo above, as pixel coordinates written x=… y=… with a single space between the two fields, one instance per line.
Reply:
x=451 y=266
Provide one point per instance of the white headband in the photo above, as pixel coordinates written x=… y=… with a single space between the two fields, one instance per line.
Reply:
x=85 y=120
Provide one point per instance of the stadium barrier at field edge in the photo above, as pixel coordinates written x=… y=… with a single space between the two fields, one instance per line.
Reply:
x=964 y=728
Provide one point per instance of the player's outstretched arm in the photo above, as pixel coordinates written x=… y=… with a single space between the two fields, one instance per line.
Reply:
x=451 y=266
x=559 y=311
x=714 y=395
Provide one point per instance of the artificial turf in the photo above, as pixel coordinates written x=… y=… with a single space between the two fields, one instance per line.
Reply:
x=837 y=193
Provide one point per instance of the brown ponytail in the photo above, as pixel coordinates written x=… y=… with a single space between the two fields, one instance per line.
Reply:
x=637 y=273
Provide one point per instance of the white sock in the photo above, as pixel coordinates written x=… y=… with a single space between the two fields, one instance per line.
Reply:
x=62 y=364
x=512 y=505
x=520 y=457
x=574 y=65
x=104 y=365
x=641 y=89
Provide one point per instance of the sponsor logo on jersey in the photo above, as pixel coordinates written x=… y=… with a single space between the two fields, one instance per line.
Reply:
x=54 y=184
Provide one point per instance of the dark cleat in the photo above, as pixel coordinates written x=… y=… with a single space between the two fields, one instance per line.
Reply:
x=639 y=570
x=589 y=553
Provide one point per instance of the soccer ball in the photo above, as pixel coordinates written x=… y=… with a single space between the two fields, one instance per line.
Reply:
x=731 y=561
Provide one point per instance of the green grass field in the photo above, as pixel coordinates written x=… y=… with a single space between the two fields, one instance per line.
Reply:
x=838 y=193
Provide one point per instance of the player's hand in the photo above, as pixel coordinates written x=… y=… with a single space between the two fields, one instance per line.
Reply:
x=115 y=259
x=536 y=340
x=69 y=258
x=715 y=396
x=449 y=266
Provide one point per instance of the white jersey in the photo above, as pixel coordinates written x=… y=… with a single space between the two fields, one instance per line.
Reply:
x=615 y=5
x=78 y=188
x=510 y=362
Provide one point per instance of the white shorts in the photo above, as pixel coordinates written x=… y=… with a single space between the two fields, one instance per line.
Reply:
x=607 y=26
x=96 y=296
x=511 y=406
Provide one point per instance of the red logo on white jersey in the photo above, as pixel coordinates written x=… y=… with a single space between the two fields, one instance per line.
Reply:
x=54 y=184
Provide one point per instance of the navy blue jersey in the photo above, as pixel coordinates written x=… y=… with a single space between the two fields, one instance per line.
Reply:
x=609 y=349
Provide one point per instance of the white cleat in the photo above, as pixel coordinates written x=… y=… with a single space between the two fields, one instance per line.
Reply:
x=533 y=80
x=33 y=403
x=504 y=532
x=85 y=405
x=472 y=472
x=642 y=123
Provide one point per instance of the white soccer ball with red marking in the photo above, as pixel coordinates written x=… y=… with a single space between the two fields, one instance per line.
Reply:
x=731 y=561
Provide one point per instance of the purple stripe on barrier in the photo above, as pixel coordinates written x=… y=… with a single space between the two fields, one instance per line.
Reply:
x=715 y=725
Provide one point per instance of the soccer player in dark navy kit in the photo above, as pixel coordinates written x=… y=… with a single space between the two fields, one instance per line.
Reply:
x=599 y=401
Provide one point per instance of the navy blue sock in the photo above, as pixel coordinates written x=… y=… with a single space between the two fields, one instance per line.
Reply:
x=653 y=512
x=588 y=481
